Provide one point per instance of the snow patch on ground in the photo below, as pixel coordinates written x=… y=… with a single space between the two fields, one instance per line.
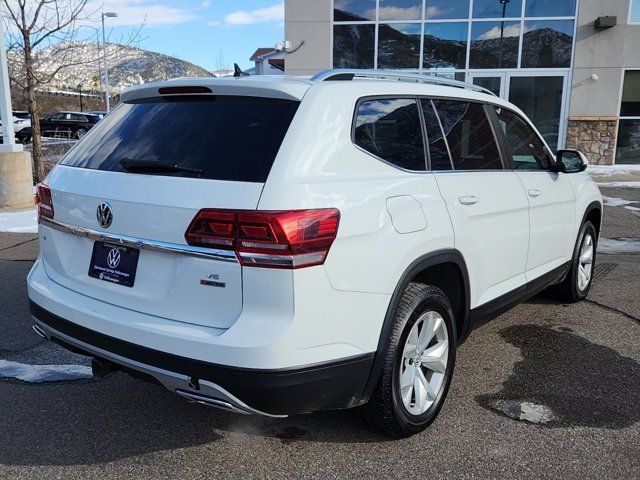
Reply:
x=616 y=202
x=618 y=184
x=613 y=169
x=619 y=245
x=25 y=221
x=43 y=373
x=525 y=411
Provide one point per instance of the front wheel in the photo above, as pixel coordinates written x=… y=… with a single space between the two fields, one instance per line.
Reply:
x=418 y=363
x=575 y=287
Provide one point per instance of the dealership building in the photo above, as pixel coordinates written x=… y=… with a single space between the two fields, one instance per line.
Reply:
x=573 y=66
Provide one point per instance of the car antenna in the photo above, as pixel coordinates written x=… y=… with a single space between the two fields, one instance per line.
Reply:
x=237 y=71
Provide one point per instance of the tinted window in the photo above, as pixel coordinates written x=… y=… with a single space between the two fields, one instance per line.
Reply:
x=352 y=10
x=445 y=45
x=221 y=138
x=400 y=10
x=547 y=44
x=436 y=9
x=526 y=148
x=630 y=106
x=399 y=45
x=550 y=8
x=494 y=44
x=469 y=135
x=496 y=8
x=78 y=118
x=628 y=147
x=353 y=46
x=390 y=129
x=438 y=154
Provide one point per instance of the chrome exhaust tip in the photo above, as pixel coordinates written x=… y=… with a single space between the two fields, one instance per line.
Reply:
x=211 y=402
x=39 y=331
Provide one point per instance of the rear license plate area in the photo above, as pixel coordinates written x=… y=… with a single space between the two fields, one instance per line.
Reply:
x=114 y=263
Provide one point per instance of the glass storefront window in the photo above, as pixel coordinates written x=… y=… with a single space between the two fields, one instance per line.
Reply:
x=353 y=46
x=494 y=44
x=445 y=45
x=547 y=44
x=628 y=145
x=635 y=11
x=630 y=106
x=540 y=98
x=446 y=9
x=399 y=45
x=550 y=8
x=497 y=8
x=354 y=10
x=400 y=10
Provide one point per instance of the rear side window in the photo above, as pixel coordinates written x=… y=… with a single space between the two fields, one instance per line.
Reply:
x=469 y=135
x=527 y=150
x=218 y=138
x=438 y=153
x=390 y=129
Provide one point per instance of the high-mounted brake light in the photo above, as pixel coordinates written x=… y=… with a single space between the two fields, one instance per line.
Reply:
x=44 y=201
x=183 y=90
x=272 y=239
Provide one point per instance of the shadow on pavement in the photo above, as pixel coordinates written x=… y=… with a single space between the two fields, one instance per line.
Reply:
x=103 y=421
x=583 y=383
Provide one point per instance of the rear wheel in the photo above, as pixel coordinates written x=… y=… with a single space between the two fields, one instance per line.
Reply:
x=81 y=132
x=575 y=287
x=418 y=364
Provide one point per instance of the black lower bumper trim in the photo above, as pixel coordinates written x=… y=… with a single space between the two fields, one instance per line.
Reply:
x=325 y=386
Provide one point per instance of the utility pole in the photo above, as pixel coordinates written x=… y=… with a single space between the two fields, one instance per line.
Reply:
x=80 y=93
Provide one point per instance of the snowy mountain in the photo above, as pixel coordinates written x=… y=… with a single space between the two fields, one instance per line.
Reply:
x=128 y=66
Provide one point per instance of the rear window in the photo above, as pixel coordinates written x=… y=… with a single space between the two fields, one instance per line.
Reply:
x=217 y=138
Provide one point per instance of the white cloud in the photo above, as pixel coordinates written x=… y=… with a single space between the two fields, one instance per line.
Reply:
x=274 y=13
x=214 y=23
x=399 y=13
x=205 y=4
x=135 y=12
x=495 y=32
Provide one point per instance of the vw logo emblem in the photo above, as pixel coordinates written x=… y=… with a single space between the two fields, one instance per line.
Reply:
x=113 y=258
x=104 y=215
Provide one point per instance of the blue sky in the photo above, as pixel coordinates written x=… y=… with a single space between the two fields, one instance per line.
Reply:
x=200 y=30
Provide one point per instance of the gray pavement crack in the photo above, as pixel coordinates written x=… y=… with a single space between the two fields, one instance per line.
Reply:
x=613 y=309
x=17 y=244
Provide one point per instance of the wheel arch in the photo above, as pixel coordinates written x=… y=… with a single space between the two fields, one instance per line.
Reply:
x=445 y=269
x=593 y=213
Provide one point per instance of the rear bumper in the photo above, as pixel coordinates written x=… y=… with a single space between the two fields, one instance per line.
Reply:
x=331 y=385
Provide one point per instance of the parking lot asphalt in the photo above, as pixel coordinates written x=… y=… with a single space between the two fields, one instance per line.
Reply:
x=546 y=390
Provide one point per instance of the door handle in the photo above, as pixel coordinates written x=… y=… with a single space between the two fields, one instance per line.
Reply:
x=534 y=193
x=468 y=199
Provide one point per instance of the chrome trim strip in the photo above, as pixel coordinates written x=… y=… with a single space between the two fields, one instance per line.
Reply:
x=221 y=255
x=210 y=393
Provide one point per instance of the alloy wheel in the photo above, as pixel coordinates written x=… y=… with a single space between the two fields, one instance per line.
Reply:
x=424 y=363
x=585 y=263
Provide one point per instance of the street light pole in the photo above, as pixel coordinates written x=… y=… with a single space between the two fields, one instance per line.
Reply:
x=106 y=67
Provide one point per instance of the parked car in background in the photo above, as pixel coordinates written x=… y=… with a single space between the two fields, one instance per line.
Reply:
x=21 y=126
x=68 y=124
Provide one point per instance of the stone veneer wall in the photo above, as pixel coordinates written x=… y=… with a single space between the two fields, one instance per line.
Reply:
x=595 y=137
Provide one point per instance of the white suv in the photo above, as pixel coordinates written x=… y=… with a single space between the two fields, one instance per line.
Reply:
x=286 y=245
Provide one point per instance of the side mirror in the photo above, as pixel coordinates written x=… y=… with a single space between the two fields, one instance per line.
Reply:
x=570 y=161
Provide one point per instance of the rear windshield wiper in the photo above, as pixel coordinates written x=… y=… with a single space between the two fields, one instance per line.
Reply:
x=145 y=166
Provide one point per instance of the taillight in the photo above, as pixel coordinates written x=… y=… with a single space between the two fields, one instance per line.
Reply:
x=274 y=239
x=44 y=201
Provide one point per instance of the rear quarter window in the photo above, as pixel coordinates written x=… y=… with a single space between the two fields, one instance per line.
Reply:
x=219 y=137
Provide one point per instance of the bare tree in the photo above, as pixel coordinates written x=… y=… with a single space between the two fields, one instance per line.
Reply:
x=221 y=61
x=35 y=24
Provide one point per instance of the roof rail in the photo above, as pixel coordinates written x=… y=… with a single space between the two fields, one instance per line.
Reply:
x=350 y=74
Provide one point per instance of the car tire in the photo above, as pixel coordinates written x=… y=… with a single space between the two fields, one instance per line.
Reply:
x=394 y=408
x=81 y=132
x=575 y=287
